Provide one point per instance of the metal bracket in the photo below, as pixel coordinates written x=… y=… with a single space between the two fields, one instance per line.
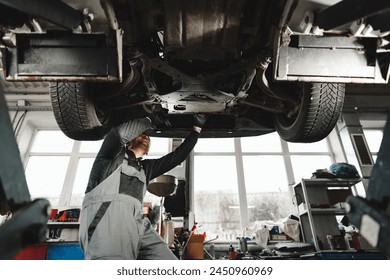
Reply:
x=63 y=56
x=332 y=59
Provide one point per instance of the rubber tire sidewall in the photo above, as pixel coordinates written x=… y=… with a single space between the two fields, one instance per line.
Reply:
x=75 y=113
x=301 y=129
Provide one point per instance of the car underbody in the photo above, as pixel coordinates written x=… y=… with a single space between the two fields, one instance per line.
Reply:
x=253 y=66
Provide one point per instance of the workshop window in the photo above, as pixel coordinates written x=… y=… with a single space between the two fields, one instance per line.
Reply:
x=51 y=141
x=45 y=176
x=223 y=169
x=244 y=180
x=47 y=164
x=374 y=140
x=158 y=147
x=215 y=145
x=306 y=158
x=266 y=188
x=268 y=143
x=216 y=195
x=264 y=173
x=90 y=146
x=83 y=158
x=314 y=147
x=305 y=165
x=265 y=178
x=81 y=180
x=216 y=201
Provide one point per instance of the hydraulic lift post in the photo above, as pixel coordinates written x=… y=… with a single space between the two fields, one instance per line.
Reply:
x=371 y=215
x=28 y=222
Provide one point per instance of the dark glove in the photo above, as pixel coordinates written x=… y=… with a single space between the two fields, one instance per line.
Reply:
x=200 y=120
x=160 y=118
x=3 y=208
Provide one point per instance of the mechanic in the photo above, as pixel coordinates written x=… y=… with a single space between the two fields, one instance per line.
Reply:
x=111 y=223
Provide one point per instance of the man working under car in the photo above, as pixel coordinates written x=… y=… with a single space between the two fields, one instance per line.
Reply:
x=111 y=222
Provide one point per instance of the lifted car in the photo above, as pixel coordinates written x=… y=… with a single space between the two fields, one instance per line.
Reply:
x=254 y=66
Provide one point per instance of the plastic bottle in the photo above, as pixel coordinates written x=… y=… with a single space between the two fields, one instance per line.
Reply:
x=212 y=250
x=231 y=250
x=168 y=229
x=356 y=242
x=330 y=241
x=348 y=241
x=243 y=245
x=232 y=253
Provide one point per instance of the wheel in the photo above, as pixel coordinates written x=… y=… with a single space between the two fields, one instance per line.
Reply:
x=76 y=113
x=320 y=108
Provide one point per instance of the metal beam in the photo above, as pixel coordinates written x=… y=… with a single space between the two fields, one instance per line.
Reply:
x=378 y=187
x=348 y=11
x=371 y=215
x=54 y=11
x=12 y=178
x=29 y=218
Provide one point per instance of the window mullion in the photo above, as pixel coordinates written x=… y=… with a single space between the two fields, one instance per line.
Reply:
x=28 y=154
x=291 y=180
x=70 y=176
x=287 y=163
x=241 y=184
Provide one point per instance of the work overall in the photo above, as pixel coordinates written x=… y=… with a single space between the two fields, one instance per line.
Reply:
x=113 y=226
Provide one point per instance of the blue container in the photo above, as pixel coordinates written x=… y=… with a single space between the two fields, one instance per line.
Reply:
x=64 y=251
x=274 y=230
x=345 y=256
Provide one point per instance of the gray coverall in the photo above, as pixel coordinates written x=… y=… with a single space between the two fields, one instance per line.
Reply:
x=111 y=222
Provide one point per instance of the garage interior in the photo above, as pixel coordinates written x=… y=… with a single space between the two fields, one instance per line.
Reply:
x=237 y=198
x=261 y=198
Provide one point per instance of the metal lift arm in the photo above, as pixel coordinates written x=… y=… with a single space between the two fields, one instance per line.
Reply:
x=54 y=11
x=348 y=11
x=28 y=223
x=372 y=214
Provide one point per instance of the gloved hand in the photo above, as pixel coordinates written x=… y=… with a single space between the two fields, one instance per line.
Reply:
x=200 y=120
x=160 y=118
x=3 y=208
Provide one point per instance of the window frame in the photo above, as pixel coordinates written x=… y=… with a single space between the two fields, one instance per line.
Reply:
x=374 y=154
x=239 y=156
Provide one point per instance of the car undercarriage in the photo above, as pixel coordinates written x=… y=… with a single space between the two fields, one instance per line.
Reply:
x=254 y=66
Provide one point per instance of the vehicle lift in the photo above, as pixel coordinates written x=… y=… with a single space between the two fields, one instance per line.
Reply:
x=371 y=215
x=29 y=218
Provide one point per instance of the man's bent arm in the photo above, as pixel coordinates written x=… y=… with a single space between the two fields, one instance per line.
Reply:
x=111 y=152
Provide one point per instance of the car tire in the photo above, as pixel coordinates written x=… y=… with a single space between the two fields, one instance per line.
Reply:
x=75 y=111
x=320 y=108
